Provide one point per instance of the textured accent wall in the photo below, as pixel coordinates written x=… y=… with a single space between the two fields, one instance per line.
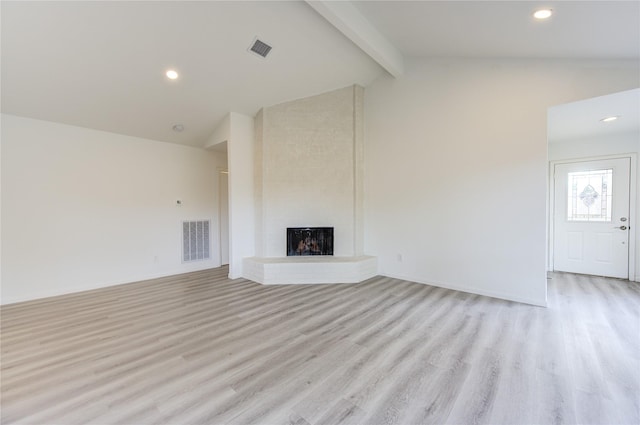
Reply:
x=309 y=170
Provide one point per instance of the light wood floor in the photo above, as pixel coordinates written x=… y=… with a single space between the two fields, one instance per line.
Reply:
x=200 y=348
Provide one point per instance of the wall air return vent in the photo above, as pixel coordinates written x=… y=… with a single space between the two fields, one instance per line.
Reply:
x=195 y=240
x=260 y=48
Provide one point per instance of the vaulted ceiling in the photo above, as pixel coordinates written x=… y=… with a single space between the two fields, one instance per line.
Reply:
x=505 y=29
x=102 y=64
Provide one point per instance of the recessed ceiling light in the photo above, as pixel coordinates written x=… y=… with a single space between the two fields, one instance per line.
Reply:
x=171 y=74
x=609 y=119
x=542 y=13
x=178 y=128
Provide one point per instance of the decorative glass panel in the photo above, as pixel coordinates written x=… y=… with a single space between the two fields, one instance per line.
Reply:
x=590 y=195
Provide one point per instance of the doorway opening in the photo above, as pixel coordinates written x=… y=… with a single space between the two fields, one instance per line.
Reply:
x=593 y=185
x=221 y=224
x=223 y=202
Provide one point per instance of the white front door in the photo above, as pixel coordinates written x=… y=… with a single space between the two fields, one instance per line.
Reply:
x=591 y=217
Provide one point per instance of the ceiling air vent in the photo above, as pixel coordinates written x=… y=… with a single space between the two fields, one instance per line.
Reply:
x=260 y=48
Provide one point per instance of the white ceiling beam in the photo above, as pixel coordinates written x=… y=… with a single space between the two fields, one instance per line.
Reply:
x=348 y=20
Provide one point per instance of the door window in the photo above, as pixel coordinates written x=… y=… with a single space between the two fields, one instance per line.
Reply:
x=589 y=195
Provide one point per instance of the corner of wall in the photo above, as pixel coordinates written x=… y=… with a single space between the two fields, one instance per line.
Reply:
x=258 y=183
x=241 y=152
x=358 y=169
x=221 y=132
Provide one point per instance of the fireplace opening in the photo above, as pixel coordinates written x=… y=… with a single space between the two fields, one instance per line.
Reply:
x=309 y=241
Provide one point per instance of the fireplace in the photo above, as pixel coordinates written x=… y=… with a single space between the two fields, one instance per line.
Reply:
x=309 y=241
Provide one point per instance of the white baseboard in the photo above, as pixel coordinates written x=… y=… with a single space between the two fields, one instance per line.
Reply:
x=54 y=292
x=472 y=290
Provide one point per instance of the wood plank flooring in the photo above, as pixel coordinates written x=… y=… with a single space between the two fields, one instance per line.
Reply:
x=202 y=349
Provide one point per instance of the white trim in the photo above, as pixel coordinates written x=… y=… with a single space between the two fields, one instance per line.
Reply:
x=550 y=211
x=633 y=191
x=347 y=19
x=471 y=290
x=55 y=292
x=632 y=156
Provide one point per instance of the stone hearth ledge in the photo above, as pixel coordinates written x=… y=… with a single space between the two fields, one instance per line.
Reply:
x=309 y=269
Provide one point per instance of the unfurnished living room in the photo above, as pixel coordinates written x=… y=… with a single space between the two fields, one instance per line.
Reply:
x=320 y=212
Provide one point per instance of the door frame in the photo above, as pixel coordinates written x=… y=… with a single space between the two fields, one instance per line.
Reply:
x=632 y=206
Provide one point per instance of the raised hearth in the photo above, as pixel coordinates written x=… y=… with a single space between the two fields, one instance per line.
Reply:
x=309 y=269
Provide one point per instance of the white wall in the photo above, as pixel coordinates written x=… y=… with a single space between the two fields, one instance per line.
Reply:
x=1 y=208
x=590 y=147
x=222 y=132
x=456 y=168
x=83 y=209
x=594 y=146
x=240 y=153
x=309 y=165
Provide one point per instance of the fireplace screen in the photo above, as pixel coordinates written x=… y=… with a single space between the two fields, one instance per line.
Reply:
x=309 y=241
